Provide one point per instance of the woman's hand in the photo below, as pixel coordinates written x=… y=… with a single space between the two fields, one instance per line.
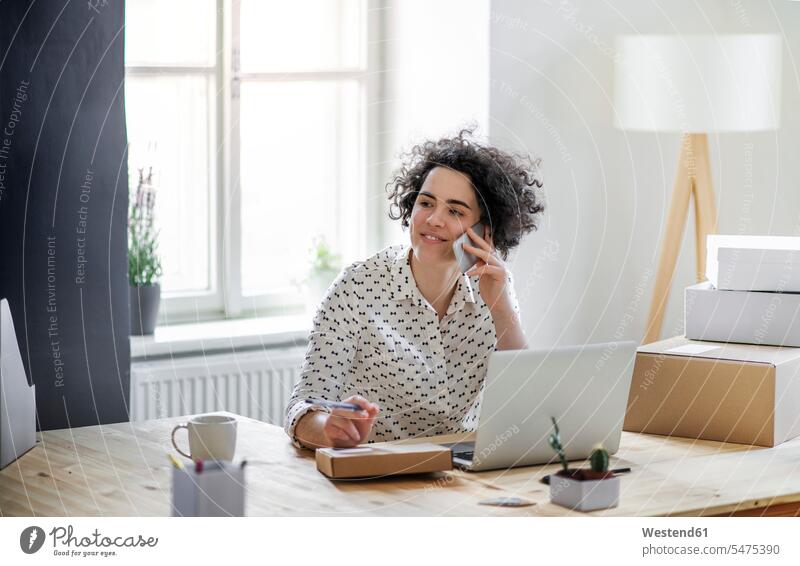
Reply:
x=490 y=270
x=493 y=279
x=344 y=429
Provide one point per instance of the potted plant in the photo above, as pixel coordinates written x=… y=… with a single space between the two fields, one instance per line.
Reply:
x=325 y=266
x=144 y=264
x=583 y=489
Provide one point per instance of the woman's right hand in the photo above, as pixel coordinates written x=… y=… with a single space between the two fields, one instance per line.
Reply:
x=345 y=429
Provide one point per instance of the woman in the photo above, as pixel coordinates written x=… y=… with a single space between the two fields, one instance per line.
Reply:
x=404 y=334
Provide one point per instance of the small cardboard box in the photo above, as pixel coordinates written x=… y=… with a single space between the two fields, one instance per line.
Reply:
x=383 y=459
x=727 y=392
x=753 y=263
x=747 y=317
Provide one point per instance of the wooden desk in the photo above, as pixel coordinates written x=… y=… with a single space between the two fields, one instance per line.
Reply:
x=122 y=469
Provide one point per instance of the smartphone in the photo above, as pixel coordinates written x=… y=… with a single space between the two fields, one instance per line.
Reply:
x=465 y=259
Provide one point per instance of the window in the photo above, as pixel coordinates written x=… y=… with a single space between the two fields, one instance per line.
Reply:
x=252 y=114
x=170 y=93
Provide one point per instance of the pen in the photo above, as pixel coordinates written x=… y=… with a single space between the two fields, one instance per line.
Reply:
x=201 y=465
x=175 y=462
x=336 y=405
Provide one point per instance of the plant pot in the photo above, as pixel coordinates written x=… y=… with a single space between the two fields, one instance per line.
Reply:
x=144 y=302
x=584 y=490
x=317 y=286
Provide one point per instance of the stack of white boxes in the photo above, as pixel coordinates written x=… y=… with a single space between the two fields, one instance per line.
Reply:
x=752 y=295
x=732 y=378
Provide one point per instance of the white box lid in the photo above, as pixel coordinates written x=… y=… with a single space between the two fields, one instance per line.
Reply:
x=745 y=249
x=754 y=249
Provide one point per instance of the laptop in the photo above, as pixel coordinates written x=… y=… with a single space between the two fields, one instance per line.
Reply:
x=584 y=387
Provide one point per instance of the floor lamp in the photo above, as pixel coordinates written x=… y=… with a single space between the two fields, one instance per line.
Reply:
x=695 y=85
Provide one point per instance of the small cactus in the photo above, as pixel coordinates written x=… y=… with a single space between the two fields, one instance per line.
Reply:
x=555 y=444
x=599 y=459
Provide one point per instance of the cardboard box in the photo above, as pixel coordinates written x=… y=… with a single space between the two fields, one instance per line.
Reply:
x=383 y=459
x=753 y=263
x=748 y=317
x=726 y=392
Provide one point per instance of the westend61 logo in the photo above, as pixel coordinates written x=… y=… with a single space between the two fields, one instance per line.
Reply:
x=67 y=544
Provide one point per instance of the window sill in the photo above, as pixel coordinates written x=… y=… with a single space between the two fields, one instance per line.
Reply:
x=221 y=336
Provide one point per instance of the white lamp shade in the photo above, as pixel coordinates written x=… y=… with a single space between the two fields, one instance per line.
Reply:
x=698 y=83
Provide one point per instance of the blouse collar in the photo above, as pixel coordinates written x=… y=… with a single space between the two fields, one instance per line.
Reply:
x=404 y=286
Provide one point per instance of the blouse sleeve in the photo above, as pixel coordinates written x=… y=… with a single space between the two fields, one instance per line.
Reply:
x=331 y=350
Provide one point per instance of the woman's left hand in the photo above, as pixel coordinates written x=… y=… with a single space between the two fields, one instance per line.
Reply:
x=490 y=269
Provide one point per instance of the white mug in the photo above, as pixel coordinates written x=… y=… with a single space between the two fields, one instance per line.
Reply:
x=211 y=437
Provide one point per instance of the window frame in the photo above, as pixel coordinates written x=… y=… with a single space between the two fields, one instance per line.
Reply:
x=226 y=300
x=210 y=300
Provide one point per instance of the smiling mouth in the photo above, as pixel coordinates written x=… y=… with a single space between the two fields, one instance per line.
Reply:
x=431 y=238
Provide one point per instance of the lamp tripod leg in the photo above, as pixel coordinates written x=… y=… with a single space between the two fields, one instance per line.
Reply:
x=705 y=206
x=671 y=240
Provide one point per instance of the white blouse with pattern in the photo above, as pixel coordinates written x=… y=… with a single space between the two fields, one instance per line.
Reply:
x=375 y=335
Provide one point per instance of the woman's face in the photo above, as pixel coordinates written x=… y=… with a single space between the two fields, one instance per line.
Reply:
x=445 y=207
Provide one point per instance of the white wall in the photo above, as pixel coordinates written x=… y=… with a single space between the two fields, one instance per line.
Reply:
x=437 y=78
x=587 y=274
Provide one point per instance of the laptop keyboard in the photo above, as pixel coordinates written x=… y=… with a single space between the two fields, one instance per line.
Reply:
x=467 y=455
x=462 y=450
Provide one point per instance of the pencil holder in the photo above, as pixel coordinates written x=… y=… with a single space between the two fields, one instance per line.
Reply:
x=217 y=492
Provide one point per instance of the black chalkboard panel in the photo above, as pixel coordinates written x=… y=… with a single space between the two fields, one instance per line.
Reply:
x=63 y=204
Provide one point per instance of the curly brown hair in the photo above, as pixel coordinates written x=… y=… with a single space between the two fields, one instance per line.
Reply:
x=505 y=184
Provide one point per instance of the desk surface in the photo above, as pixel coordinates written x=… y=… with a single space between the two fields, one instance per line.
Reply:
x=122 y=470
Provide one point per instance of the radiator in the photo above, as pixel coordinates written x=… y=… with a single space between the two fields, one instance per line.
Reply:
x=252 y=384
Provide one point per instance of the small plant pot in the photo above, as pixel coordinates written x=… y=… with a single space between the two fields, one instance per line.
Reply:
x=144 y=302
x=584 y=490
x=318 y=284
